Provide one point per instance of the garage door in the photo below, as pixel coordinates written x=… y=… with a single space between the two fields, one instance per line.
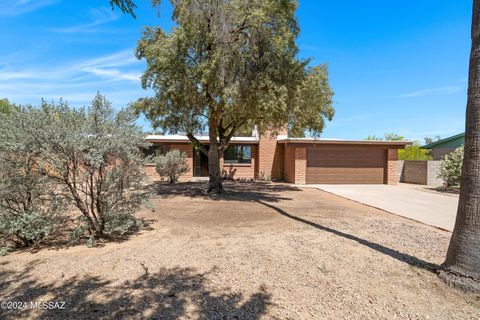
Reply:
x=345 y=166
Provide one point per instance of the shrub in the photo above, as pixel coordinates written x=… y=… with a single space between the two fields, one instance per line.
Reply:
x=29 y=227
x=94 y=155
x=29 y=208
x=414 y=152
x=451 y=169
x=262 y=176
x=172 y=165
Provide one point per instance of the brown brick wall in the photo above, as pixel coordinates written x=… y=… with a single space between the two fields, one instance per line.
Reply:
x=149 y=169
x=233 y=171
x=300 y=165
x=295 y=163
x=270 y=156
x=241 y=171
x=289 y=163
x=391 y=170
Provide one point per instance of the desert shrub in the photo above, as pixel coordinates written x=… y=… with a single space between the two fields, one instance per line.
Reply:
x=121 y=223
x=94 y=155
x=414 y=152
x=172 y=165
x=451 y=170
x=29 y=227
x=262 y=176
x=4 y=251
x=30 y=210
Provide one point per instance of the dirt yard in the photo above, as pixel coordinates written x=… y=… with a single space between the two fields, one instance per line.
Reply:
x=262 y=252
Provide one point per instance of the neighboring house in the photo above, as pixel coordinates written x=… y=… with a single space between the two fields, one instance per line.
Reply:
x=294 y=160
x=442 y=147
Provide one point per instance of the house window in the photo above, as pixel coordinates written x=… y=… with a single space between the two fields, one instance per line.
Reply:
x=155 y=150
x=238 y=154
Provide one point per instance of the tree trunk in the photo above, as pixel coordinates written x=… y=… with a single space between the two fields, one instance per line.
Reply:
x=462 y=265
x=215 y=181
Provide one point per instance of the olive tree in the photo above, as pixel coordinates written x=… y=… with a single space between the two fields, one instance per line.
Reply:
x=30 y=209
x=94 y=154
x=227 y=66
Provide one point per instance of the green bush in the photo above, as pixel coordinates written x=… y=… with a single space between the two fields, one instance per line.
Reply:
x=414 y=152
x=56 y=157
x=29 y=227
x=30 y=209
x=94 y=155
x=451 y=170
x=121 y=223
x=172 y=165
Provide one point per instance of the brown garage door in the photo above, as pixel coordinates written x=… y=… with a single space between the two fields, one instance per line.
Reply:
x=345 y=166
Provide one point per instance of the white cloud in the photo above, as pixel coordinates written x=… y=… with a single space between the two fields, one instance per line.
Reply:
x=99 y=17
x=433 y=91
x=117 y=75
x=18 y=7
x=113 y=74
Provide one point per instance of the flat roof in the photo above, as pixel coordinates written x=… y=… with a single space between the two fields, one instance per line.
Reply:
x=349 y=142
x=281 y=139
x=201 y=138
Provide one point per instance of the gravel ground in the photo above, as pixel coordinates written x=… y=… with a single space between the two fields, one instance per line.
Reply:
x=264 y=251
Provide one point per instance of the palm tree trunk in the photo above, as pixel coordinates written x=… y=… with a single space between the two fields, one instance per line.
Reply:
x=462 y=265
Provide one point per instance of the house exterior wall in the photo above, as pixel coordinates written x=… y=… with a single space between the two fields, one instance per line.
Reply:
x=270 y=160
x=392 y=163
x=301 y=165
x=242 y=171
x=278 y=161
x=149 y=169
x=295 y=163
x=289 y=163
x=440 y=153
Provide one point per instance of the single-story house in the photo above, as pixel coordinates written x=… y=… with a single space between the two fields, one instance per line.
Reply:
x=294 y=160
x=442 y=147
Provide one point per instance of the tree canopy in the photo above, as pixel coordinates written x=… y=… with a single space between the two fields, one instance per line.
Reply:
x=5 y=106
x=126 y=6
x=230 y=65
x=388 y=136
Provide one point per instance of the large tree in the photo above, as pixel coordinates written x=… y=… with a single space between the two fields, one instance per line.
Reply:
x=227 y=66
x=462 y=265
x=5 y=106
x=126 y=6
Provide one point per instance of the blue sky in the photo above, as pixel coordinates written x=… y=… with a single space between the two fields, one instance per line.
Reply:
x=395 y=66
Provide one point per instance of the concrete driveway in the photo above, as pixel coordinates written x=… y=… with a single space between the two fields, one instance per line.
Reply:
x=429 y=207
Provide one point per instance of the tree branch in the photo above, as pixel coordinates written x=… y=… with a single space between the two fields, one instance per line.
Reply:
x=197 y=144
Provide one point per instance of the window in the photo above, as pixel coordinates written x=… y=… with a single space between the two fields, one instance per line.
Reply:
x=155 y=150
x=238 y=154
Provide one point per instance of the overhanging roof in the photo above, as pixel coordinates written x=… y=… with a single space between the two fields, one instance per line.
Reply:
x=397 y=144
x=202 y=138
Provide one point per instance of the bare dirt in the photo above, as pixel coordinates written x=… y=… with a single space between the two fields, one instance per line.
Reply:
x=261 y=252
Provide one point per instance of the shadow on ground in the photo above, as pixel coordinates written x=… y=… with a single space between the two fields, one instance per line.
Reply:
x=234 y=191
x=402 y=257
x=168 y=294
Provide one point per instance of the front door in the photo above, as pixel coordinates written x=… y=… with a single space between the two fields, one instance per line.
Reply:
x=200 y=164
